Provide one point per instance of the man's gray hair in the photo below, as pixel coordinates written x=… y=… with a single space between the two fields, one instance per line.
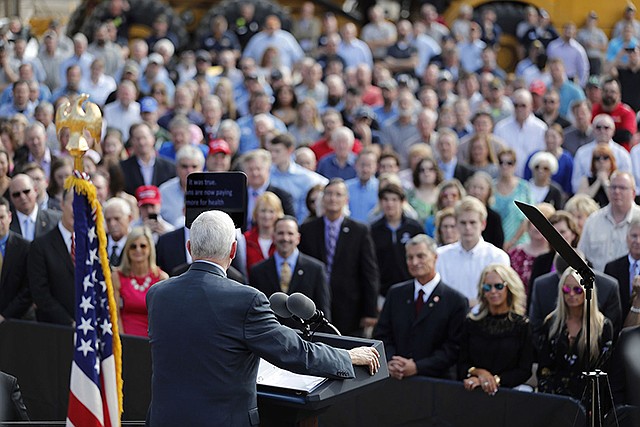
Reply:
x=190 y=152
x=212 y=235
x=423 y=239
x=118 y=202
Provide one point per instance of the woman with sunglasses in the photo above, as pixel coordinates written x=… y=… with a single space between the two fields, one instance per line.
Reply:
x=496 y=347
x=132 y=280
x=603 y=164
x=510 y=187
x=563 y=343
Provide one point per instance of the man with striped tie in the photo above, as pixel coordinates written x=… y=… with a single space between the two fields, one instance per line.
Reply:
x=346 y=247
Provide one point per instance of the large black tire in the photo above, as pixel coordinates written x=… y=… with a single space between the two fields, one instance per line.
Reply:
x=231 y=10
x=141 y=12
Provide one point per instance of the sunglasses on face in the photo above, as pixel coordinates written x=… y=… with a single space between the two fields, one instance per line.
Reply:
x=16 y=194
x=135 y=246
x=488 y=286
x=602 y=158
x=577 y=289
x=601 y=127
x=507 y=162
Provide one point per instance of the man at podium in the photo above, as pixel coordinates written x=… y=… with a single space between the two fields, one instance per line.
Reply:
x=208 y=332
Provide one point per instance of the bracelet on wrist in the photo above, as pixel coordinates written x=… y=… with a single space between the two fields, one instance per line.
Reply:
x=635 y=309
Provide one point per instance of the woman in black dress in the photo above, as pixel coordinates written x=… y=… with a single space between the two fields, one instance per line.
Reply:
x=496 y=348
x=563 y=343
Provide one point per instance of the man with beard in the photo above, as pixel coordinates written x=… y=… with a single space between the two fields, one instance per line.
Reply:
x=622 y=115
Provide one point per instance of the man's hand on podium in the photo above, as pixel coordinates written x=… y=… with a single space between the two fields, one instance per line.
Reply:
x=365 y=356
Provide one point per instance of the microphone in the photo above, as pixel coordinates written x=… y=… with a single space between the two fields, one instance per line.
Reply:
x=278 y=301
x=303 y=307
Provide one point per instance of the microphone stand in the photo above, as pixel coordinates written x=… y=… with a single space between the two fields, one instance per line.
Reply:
x=574 y=260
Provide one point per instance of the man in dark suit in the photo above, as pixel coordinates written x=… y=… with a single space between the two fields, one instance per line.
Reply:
x=28 y=220
x=544 y=296
x=118 y=217
x=144 y=167
x=256 y=165
x=626 y=270
x=208 y=332
x=12 y=406
x=421 y=320
x=15 y=298
x=346 y=248
x=51 y=271
x=301 y=273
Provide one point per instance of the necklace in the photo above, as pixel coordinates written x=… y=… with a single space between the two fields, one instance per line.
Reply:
x=141 y=288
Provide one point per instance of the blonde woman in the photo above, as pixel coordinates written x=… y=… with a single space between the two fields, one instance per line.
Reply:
x=563 y=342
x=260 y=245
x=132 y=280
x=496 y=346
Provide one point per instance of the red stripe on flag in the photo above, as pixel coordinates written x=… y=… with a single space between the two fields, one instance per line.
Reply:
x=105 y=405
x=79 y=415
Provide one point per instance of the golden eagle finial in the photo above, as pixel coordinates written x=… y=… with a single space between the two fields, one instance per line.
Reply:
x=71 y=115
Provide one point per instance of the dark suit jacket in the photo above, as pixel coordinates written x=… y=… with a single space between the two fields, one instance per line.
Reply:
x=308 y=277
x=51 y=279
x=285 y=198
x=207 y=334
x=12 y=407
x=619 y=269
x=354 y=280
x=623 y=368
x=46 y=221
x=170 y=251
x=462 y=172
x=544 y=296
x=15 y=298
x=432 y=339
x=163 y=170
x=493 y=232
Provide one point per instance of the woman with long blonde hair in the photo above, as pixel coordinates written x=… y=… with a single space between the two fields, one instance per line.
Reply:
x=496 y=347
x=563 y=341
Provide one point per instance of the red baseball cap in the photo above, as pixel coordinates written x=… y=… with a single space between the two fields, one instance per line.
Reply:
x=538 y=87
x=148 y=195
x=219 y=146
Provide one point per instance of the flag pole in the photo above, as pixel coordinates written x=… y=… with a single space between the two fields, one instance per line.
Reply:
x=96 y=309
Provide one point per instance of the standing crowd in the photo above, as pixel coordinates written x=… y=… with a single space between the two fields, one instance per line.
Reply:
x=382 y=166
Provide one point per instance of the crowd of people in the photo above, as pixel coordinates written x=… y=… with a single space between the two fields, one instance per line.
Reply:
x=382 y=166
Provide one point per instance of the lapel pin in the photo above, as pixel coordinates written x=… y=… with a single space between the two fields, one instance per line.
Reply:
x=300 y=272
x=345 y=229
x=436 y=298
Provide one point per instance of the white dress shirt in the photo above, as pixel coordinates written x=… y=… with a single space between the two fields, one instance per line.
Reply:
x=460 y=269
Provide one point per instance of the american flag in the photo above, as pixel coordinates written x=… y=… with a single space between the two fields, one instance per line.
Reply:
x=95 y=395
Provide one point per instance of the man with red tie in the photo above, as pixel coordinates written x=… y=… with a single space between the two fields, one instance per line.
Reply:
x=421 y=320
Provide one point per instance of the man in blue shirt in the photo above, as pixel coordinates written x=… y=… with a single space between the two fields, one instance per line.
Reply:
x=291 y=177
x=363 y=190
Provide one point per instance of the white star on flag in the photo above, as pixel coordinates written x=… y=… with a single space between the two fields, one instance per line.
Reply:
x=106 y=327
x=86 y=304
x=85 y=347
x=86 y=325
x=91 y=234
x=87 y=283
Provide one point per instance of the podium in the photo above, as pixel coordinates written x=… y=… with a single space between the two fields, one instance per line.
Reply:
x=284 y=407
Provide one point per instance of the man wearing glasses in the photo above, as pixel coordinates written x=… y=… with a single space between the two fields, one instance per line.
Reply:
x=28 y=220
x=603 y=130
x=604 y=236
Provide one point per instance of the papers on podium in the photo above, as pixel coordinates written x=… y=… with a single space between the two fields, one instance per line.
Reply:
x=271 y=376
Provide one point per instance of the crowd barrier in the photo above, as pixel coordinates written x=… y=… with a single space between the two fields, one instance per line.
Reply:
x=39 y=355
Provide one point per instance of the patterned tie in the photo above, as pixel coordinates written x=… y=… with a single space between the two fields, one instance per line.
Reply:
x=419 y=301
x=113 y=258
x=285 y=276
x=634 y=273
x=73 y=249
x=331 y=246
